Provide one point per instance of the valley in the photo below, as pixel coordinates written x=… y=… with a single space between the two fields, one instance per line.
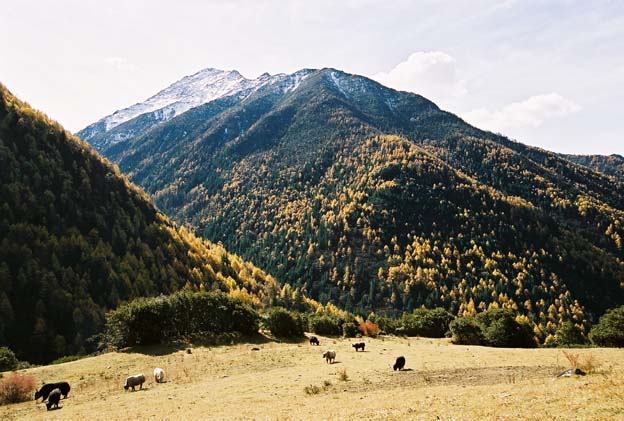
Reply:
x=202 y=192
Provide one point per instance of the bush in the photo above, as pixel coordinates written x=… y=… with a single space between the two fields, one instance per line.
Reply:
x=312 y=390
x=570 y=334
x=16 y=388
x=324 y=324
x=8 y=360
x=500 y=329
x=283 y=323
x=369 y=329
x=350 y=326
x=610 y=329
x=386 y=324
x=497 y=328
x=147 y=321
x=425 y=322
x=466 y=331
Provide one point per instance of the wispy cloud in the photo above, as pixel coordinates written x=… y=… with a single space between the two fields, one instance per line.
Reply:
x=531 y=112
x=431 y=74
x=120 y=63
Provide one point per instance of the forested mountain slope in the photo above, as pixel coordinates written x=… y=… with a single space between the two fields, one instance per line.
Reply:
x=76 y=238
x=608 y=164
x=378 y=200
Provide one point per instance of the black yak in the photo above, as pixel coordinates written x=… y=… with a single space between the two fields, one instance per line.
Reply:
x=133 y=381
x=359 y=345
x=49 y=387
x=399 y=363
x=54 y=398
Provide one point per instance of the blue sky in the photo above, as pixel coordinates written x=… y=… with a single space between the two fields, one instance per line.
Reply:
x=546 y=73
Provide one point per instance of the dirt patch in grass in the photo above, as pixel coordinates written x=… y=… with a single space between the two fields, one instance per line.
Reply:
x=473 y=376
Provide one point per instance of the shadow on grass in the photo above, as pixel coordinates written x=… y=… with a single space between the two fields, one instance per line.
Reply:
x=145 y=389
x=222 y=340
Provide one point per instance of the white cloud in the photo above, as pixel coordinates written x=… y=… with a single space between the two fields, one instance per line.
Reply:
x=119 y=63
x=531 y=112
x=431 y=74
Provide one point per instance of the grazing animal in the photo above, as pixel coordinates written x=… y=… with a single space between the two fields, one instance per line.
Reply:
x=330 y=356
x=314 y=340
x=49 y=387
x=358 y=346
x=133 y=381
x=159 y=375
x=54 y=398
x=399 y=363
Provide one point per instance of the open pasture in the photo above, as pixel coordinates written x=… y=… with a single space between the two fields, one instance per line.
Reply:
x=287 y=381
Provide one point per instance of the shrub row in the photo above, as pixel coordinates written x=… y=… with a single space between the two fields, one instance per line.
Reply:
x=497 y=328
x=146 y=321
x=422 y=322
x=283 y=323
x=334 y=325
x=431 y=323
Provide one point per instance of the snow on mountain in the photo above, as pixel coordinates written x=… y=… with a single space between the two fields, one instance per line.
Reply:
x=189 y=92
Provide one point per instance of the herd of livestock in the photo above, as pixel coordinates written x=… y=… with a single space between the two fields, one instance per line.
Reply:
x=52 y=392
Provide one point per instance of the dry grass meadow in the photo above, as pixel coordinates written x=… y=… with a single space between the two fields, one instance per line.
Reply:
x=288 y=381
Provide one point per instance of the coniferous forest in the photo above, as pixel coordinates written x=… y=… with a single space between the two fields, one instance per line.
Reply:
x=377 y=200
x=340 y=191
x=76 y=239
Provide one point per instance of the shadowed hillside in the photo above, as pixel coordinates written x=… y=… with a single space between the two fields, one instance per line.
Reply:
x=76 y=238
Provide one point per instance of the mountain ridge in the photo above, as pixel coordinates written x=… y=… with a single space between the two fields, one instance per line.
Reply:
x=191 y=91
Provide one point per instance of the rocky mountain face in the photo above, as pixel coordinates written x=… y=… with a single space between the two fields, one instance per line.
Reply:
x=376 y=199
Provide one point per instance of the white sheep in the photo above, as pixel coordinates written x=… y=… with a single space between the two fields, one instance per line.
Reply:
x=133 y=381
x=159 y=375
x=330 y=356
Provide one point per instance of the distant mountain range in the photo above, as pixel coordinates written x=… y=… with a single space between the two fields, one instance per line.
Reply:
x=376 y=199
x=76 y=238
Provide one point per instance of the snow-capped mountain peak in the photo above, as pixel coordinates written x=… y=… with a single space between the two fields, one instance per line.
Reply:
x=191 y=91
x=184 y=94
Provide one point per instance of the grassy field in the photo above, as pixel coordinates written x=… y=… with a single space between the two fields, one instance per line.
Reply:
x=284 y=381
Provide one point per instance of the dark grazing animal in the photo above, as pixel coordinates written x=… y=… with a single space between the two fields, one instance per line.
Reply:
x=399 y=363
x=314 y=340
x=359 y=345
x=49 y=387
x=54 y=398
x=133 y=381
